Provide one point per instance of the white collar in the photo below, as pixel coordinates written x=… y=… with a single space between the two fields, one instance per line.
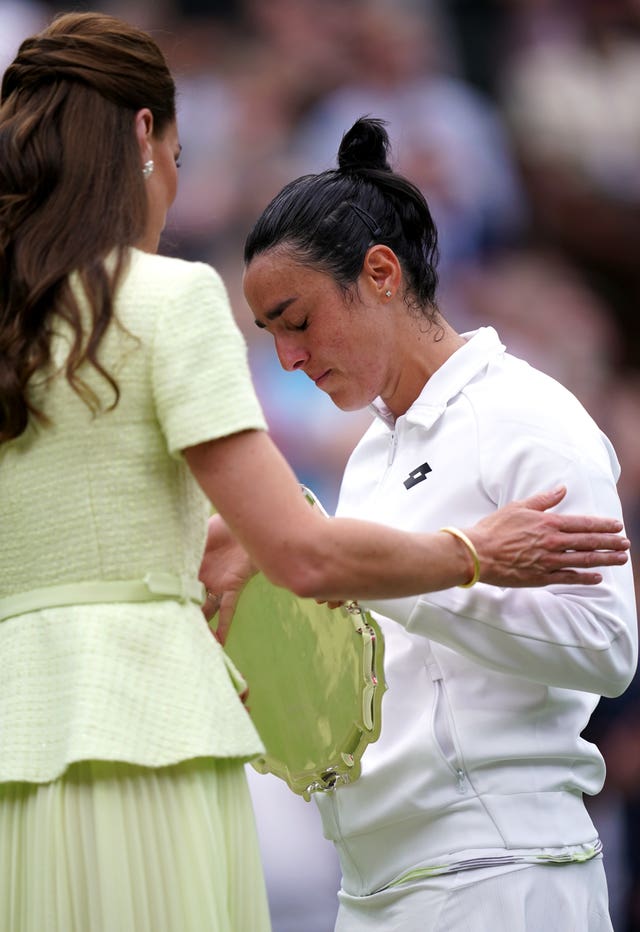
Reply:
x=480 y=348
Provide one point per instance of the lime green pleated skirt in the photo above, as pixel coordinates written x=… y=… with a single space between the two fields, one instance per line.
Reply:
x=111 y=847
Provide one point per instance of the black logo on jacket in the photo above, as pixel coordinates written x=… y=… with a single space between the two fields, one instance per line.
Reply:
x=417 y=475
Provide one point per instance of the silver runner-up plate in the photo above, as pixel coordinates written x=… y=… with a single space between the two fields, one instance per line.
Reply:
x=315 y=679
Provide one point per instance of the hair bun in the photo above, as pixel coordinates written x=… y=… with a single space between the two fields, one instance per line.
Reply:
x=365 y=146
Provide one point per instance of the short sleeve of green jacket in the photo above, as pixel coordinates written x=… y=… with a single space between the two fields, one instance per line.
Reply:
x=200 y=373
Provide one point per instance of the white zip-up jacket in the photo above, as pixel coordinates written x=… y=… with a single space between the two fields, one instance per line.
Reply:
x=480 y=759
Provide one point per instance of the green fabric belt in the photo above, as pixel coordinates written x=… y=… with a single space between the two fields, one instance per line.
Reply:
x=153 y=587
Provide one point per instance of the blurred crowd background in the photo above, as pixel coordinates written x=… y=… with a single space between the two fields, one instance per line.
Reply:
x=520 y=121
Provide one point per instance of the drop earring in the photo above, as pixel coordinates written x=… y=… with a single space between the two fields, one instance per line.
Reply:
x=147 y=169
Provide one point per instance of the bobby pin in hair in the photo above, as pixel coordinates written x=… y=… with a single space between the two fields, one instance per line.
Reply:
x=367 y=219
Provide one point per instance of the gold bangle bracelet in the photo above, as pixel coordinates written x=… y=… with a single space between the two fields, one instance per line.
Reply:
x=455 y=532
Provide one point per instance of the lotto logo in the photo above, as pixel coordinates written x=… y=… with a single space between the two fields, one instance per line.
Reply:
x=417 y=475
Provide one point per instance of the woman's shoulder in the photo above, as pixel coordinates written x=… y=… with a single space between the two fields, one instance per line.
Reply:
x=158 y=288
x=158 y=273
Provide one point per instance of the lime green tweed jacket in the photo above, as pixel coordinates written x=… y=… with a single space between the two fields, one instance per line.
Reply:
x=109 y=497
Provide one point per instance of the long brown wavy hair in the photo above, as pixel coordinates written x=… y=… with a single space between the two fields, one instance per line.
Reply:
x=71 y=192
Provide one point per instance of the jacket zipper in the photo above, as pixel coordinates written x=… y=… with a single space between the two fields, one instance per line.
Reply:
x=443 y=734
x=393 y=443
x=442 y=730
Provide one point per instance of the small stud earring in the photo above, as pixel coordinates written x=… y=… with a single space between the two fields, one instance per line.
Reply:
x=147 y=169
x=388 y=293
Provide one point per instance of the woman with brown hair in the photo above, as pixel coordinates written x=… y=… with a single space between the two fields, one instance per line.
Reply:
x=124 y=391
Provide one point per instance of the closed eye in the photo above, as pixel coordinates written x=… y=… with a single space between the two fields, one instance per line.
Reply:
x=300 y=326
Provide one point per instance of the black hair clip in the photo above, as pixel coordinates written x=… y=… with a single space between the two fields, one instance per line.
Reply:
x=367 y=219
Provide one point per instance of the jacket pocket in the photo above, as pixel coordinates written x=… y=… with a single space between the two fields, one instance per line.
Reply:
x=443 y=732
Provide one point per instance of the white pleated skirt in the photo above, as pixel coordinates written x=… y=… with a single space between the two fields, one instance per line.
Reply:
x=112 y=847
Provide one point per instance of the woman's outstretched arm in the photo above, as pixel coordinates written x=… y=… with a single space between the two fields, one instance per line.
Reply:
x=295 y=546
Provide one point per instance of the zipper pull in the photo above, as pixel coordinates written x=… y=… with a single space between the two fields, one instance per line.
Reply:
x=392 y=448
x=462 y=782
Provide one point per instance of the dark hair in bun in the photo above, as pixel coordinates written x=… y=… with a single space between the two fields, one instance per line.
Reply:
x=331 y=219
x=364 y=147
